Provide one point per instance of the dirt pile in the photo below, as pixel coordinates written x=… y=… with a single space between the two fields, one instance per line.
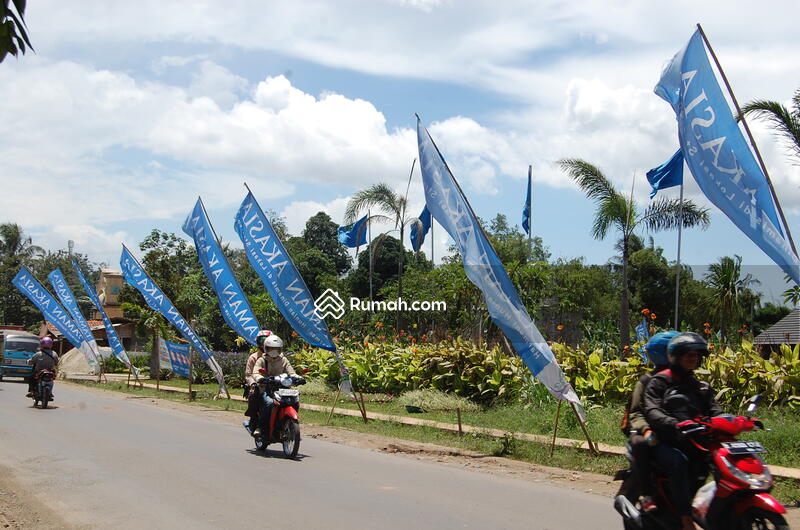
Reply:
x=74 y=363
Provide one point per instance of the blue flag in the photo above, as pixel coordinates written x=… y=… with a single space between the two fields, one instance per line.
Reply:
x=52 y=310
x=111 y=334
x=232 y=301
x=642 y=331
x=355 y=234
x=718 y=155
x=178 y=355
x=526 y=210
x=668 y=174
x=283 y=281
x=450 y=208
x=137 y=277
x=420 y=229
x=64 y=294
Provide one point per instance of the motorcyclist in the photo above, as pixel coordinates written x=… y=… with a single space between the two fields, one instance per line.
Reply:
x=250 y=386
x=272 y=363
x=685 y=353
x=44 y=359
x=642 y=437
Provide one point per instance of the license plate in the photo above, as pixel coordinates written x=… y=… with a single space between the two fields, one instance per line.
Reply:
x=739 y=448
x=288 y=392
x=15 y=362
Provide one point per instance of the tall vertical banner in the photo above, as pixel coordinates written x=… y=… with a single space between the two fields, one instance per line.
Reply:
x=64 y=294
x=526 y=209
x=111 y=334
x=137 y=277
x=283 y=281
x=718 y=155
x=50 y=308
x=450 y=208
x=233 y=303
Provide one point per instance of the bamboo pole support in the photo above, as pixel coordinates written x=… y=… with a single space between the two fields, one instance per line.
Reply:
x=333 y=407
x=191 y=354
x=592 y=446
x=555 y=429
x=460 y=427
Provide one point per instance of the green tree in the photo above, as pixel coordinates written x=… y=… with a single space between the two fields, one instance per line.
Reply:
x=16 y=249
x=321 y=233
x=13 y=37
x=785 y=121
x=386 y=253
x=512 y=245
x=621 y=212
x=730 y=291
x=312 y=263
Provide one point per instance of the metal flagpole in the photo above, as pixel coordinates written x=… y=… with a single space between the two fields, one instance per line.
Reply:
x=530 y=224
x=369 y=244
x=431 y=230
x=678 y=265
x=750 y=136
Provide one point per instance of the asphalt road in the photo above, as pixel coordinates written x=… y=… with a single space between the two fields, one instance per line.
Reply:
x=106 y=461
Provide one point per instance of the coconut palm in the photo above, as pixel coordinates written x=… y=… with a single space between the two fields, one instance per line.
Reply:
x=15 y=244
x=729 y=289
x=785 y=121
x=615 y=210
x=393 y=207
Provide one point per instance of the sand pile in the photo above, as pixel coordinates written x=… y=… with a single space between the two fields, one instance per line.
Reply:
x=73 y=362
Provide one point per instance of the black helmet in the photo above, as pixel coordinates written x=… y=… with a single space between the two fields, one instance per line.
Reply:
x=685 y=342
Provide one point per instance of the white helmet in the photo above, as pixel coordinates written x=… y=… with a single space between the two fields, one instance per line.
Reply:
x=273 y=341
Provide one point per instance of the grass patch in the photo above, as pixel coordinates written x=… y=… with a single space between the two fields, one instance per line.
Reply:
x=436 y=400
x=783 y=441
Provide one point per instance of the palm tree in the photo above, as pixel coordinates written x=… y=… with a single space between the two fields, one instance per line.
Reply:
x=792 y=294
x=618 y=211
x=785 y=121
x=729 y=289
x=393 y=206
x=15 y=244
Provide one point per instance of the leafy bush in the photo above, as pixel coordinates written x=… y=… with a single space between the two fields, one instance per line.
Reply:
x=485 y=375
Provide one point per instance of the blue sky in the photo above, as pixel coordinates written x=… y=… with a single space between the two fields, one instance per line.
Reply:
x=127 y=113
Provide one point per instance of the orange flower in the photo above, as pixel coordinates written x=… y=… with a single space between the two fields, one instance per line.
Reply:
x=294 y=333
x=382 y=337
x=712 y=347
x=379 y=325
x=707 y=325
x=652 y=316
x=560 y=327
x=645 y=312
x=626 y=348
x=708 y=331
x=413 y=341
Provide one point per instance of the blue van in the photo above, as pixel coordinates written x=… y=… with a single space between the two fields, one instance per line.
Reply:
x=18 y=347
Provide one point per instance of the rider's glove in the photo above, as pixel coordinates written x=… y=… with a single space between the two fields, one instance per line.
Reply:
x=687 y=425
x=650 y=437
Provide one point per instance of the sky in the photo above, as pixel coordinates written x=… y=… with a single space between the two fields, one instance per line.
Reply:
x=128 y=111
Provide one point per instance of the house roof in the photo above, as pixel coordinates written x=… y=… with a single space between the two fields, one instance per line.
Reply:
x=785 y=331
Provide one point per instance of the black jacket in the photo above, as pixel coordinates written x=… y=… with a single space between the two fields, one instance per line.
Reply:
x=666 y=383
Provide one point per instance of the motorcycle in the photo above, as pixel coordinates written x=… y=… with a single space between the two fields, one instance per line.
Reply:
x=283 y=426
x=737 y=498
x=43 y=390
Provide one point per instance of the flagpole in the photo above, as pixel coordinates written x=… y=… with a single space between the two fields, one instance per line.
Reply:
x=530 y=211
x=678 y=262
x=750 y=136
x=432 y=262
x=369 y=244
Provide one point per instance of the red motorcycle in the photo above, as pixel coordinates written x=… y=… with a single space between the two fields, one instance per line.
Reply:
x=43 y=389
x=737 y=498
x=283 y=426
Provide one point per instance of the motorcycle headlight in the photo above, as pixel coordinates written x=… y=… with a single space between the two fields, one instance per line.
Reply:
x=757 y=481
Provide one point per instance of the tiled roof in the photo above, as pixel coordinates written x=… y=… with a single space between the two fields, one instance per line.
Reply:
x=785 y=331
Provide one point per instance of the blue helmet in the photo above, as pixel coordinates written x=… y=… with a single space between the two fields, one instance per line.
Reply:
x=657 y=347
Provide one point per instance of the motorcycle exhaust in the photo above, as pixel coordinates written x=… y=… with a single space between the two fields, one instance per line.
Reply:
x=627 y=510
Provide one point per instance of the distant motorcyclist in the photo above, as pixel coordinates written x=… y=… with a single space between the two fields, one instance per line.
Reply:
x=642 y=437
x=272 y=363
x=44 y=359
x=685 y=353
x=250 y=386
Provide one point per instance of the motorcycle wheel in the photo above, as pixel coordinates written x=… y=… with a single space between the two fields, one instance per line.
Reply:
x=757 y=519
x=44 y=401
x=290 y=438
x=260 y=445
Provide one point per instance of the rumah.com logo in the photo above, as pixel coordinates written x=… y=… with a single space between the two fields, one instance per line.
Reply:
x=330 y=304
